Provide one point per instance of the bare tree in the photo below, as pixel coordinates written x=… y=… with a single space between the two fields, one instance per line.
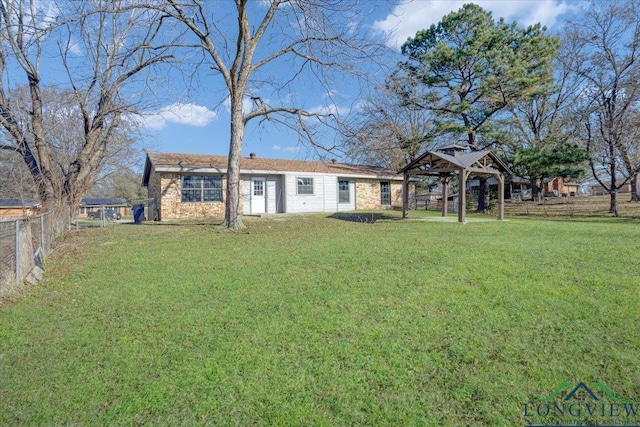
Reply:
x=102 y=47
x=386 y=133
x=120 y=183
x=543 y=128
x=630 y=151
x=15 y=180
x=259 y=49
x=606 y=46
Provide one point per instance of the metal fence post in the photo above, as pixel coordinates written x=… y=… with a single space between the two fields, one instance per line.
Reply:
x=42 y=242
x=17 y=253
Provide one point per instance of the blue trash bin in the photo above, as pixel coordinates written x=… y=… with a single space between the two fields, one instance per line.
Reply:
x=138 y=213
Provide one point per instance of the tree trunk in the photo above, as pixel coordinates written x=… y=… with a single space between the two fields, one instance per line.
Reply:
x=483 y=198
x=613 y=190
x=635 y=196
x=613 y=207
x=232 y=214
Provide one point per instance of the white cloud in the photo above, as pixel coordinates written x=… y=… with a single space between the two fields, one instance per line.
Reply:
x=186 y=114
x=331 y=93
x=407 y=18
x=290 y=148
x=75 y=48
x=50 y=15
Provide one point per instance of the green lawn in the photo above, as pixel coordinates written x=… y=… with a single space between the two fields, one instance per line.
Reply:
x=317 y=321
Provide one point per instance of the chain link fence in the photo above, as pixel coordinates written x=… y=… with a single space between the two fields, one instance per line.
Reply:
x=24 y=244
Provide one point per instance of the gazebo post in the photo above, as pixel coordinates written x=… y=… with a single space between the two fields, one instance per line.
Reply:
x=449 y=161
x=500 y=196
x=405 y=195
x=462 y=194
x=445 y=194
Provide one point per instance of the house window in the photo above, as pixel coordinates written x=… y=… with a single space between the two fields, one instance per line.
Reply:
x=343 y=191
x=258 y=188
x=196 y=188
x=305 y=185
x=385 y=193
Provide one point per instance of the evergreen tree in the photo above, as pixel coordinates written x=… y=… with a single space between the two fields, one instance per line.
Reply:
x=470 y=68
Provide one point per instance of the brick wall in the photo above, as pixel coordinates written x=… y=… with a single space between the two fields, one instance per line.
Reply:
x=166 y=188
x=368 y=194
x=18 y=212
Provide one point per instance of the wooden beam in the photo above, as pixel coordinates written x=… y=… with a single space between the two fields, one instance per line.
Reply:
x=500 y=197
x=462 y=194
x=445 y=194
x=435 y=171
x=405 y=195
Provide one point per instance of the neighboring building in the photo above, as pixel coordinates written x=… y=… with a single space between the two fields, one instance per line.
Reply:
x=520 y=188
x=598 y=190
x=19 y=208
x=90 y=205
x=191 y=186
x=560 y=187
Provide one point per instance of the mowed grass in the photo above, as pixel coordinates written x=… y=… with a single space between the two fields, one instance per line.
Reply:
x=583 y=206
x=316 y=321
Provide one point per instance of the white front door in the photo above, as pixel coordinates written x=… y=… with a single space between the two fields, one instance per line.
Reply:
x=258 y=195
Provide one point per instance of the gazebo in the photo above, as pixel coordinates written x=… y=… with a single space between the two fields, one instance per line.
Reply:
x=456 y=160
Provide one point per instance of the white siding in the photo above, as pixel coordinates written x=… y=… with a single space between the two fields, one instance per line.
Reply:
x=330 y=194
x=316 y=202
x=282 y=193
x=351 y=206
x=271 y=195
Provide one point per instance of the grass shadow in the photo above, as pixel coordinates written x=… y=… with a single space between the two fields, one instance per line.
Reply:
x=175 y=223
x=364 y=217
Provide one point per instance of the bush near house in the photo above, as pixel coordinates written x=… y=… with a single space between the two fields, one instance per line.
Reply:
x=319 y=321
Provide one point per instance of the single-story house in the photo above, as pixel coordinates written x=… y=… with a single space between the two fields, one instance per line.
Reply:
x=90 y=205
x=19 y=208
x=520 y=188
x=598 y=190
x=191 y=186
x=559 y=186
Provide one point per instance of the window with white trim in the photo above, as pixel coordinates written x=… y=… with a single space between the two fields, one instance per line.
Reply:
x=385 y=193
x=305 y=185
x=197 y=188
x=258 y=187
x=343 y=191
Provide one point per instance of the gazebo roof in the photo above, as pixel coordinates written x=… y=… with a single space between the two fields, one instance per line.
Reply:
x=455 y=160
x=482 y=162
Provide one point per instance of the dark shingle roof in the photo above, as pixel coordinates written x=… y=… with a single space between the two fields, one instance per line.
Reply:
x=105 y=202
x=201 y=161
x=438 y=161
x=19 y=203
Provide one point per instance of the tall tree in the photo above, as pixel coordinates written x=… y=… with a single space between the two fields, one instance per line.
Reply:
x=266 y=46
x=120 y=183
x=102 y=46
x=15 y=180
x=386 y=133
x=630 y=154
x=470 y=68
x=544 y=133
x=605 y=42
x=565 y=159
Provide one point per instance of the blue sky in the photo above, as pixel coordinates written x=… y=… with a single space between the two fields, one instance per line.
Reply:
x=196 y=120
